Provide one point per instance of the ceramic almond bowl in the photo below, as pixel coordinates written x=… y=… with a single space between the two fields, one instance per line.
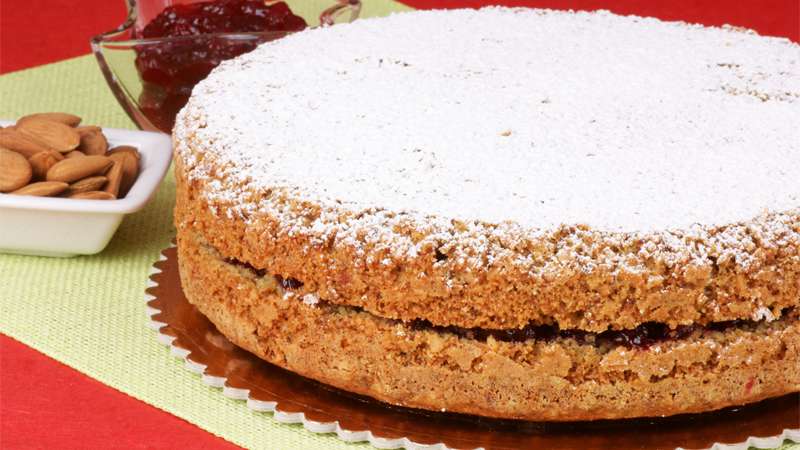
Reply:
x=52 y=226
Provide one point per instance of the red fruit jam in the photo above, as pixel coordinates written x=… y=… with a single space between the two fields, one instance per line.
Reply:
x=169 y=70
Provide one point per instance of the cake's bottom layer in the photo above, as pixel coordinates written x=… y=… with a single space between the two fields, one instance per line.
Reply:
x=561 y=379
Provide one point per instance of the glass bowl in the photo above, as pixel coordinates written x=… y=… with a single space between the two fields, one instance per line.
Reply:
x=152 y=106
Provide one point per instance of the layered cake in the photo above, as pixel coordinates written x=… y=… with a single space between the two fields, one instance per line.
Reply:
x=512 y=213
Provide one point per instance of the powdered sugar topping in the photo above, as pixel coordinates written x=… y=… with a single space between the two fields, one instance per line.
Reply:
x=526 y=117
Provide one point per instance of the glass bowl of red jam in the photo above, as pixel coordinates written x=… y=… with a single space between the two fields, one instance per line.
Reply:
x=165 y=47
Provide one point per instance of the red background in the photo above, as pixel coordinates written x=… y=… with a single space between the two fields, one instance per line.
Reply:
x=44 y=404
x=34 y=32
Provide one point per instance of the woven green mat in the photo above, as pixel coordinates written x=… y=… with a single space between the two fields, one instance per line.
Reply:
x=88 y=312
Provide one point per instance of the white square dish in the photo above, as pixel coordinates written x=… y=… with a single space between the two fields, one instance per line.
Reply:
x=48 y=226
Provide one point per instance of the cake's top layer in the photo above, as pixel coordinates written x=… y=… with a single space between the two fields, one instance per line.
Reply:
x=538 y=117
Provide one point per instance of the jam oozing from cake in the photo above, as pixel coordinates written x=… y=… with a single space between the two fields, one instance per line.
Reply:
x=288 y=283
x=244 y=265
x=169 y=70
x=641 y=337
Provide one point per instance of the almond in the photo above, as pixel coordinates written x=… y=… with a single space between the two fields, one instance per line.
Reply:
x=67 y=119
x=125 y=149
x=73 y=169
x=93 y=142
x=58 y=156
x=17 y=141
x=130 y=169
x=43 y=161
x=93 y=195
x=76 y=154
x=114 y=176
x=87 y=129
x=43 y=189
x=87 y=184
x=15 y=171
x=61 y=138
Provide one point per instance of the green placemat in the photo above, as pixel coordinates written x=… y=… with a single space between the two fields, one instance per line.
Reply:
x=88 y=312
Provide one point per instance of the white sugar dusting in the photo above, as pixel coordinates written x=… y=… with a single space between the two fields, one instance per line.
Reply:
x=310 y=299
x=763 y=313
x=512 y=121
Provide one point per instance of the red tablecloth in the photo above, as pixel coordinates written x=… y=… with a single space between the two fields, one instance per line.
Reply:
x=34 y=32
x=44 y=404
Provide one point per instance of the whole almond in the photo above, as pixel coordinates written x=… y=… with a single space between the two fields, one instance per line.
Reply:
x=17 y=141
x=42 y=189
x=130 y=170
x=114 y=176
x=15 y=171
x=87 y=129
x=93 y=142
x=87 y=184
x=67 y=119
x=73 y=169
x=125 y=149
x=75 y=154
x=61 y=138
x=58 y=156
x=93 y=195
x=42 y=162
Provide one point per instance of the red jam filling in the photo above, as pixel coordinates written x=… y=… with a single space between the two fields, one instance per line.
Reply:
x=288 y=283
x=169 y=70
x=642 y=337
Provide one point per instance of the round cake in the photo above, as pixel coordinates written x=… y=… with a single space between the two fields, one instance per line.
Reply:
x=513 y=213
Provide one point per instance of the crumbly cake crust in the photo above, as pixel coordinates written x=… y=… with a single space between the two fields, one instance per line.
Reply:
x=373 y=235
x=259 y=197
x=573 y=276
x=555 y=381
